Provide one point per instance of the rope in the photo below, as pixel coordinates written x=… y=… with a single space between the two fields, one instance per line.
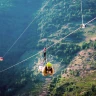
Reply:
x=37 y=53
x=42 y=50
x=20 y=62
x=24 y=30
x=19 y=37
x=82 y=18
x=90 y=21
x=81 y=12
x=64 y=37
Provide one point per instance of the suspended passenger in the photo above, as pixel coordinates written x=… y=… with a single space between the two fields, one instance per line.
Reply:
x=1 y=58
x=83 y=25
x=48 y=69
x=44 y=52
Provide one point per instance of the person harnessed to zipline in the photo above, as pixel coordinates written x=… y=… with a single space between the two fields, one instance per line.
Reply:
x=48 y=68
x=44 y=52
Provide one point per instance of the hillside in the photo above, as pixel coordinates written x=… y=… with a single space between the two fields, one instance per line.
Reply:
x=79 y=78
x=74 y=69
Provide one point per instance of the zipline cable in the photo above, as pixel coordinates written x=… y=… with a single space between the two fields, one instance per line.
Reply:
x=81 y=12
x=19 y=37
x=42 y=50
x=37 y=53
x=25 y=30
x=64 y=37
x=90 y=21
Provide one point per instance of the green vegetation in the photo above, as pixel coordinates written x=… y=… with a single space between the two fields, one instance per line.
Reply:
x=64 y=52
x=73 y=86
x=87 y=45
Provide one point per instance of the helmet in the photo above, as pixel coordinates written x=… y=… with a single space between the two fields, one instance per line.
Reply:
x=49 y=64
